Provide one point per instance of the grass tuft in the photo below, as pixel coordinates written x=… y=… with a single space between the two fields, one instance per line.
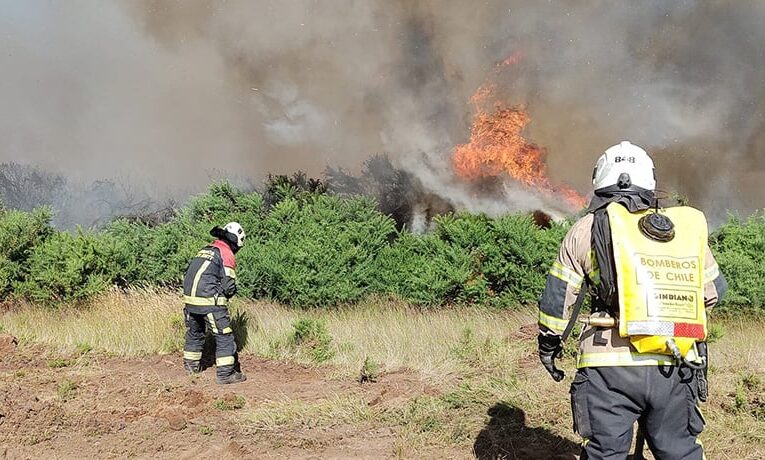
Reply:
x=311 y=335
x=370 y=370
x=230 y=403
x=67 y=389
x=58 y=363
x=277 y=414
x=82 y=348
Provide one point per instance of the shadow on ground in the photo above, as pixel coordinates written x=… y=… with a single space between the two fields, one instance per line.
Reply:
x=506 y=436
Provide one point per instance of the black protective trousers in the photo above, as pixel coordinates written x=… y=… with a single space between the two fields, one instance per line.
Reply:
x=217 y=320
x=607 y=401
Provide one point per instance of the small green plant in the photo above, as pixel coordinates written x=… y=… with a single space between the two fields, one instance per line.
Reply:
x=751 y=381
x=206 y=430
x=230 y=403
x=58 y=363
x=748 y=396
x=177 y=322
x=466 y=347
x=370 y=370
x=83 y=348
x=312 y=336
x=66 y=389
x=715 y=333
x=740 y=401
x=20 y=374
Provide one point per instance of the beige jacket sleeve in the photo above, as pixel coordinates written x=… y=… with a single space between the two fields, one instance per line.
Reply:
x=574 y=264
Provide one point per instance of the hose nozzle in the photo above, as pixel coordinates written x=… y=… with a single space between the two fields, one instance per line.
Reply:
x=679 y=359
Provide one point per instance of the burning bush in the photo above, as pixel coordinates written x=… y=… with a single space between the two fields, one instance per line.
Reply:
x=398 y=193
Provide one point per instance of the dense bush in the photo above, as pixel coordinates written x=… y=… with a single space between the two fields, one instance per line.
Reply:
x=318 y=250
x=423 y=269
x=70 y=267
x=739 y=247
x=20 y=233
x=511 y=255
x=306 y=247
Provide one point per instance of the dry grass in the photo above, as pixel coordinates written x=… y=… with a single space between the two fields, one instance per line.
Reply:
x=125 y=324
x=478 y=358
x=391 y=334
x=293 y=413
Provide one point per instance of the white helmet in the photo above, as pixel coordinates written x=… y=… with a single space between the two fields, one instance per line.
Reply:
x=235 y=229
x=625 y=165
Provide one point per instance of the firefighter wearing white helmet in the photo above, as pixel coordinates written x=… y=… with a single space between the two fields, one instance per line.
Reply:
x=651 y=278
x=233 y=228
x=209 y=283
x=622 y=162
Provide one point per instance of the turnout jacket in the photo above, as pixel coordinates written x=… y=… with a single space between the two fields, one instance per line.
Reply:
x=211 y=277
x=576 y=268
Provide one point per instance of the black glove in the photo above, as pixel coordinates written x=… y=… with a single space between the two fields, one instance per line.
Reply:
x=550 y=348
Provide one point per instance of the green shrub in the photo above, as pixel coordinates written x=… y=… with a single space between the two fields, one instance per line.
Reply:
x=70 y=267
x=171 y=247
x=308 y=248
x=159 y=255
x=423 y=269
x=315 y=252
x=311 y=336
x=20 y=233
x=739 y=248
x=519 y=256
x=471 y=259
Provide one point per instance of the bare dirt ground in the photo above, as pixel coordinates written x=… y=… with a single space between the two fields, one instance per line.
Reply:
x=95 y=406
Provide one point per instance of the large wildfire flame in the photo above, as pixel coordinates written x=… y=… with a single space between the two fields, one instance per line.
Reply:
x=497 y=147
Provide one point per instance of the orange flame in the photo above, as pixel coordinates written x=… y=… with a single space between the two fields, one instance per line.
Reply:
x=497 y=147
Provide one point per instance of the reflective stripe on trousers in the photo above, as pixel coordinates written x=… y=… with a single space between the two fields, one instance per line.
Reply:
x=217 y=320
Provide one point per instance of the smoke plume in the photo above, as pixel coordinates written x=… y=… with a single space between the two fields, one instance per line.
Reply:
x=173 y=93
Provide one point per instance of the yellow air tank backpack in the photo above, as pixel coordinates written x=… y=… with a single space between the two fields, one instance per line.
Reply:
x=659 y=261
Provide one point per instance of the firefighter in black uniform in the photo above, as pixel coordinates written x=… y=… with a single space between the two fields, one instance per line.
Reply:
x=209 y=283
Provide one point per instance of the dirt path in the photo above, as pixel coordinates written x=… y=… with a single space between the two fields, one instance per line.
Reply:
x=104 y=407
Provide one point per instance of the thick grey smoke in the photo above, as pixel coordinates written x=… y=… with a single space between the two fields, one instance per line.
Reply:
x=172 y=93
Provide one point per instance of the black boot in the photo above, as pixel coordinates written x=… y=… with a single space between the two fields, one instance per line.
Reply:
x=191 y=367
x=234 y=377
